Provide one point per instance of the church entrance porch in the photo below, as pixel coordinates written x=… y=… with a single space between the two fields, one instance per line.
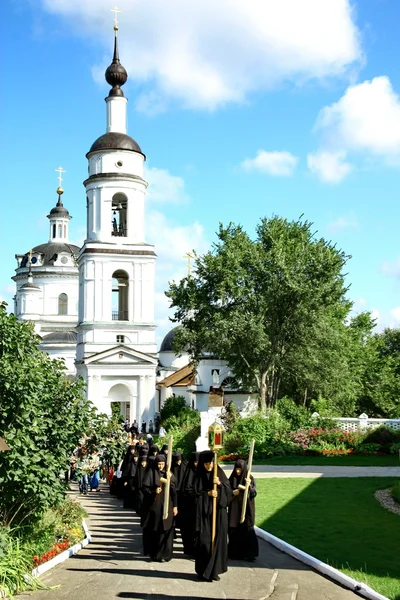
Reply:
x=122 y=401
x=122 y=409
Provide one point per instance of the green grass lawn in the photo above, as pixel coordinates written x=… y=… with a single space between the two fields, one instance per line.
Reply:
x=338 y=521
x=352 y=460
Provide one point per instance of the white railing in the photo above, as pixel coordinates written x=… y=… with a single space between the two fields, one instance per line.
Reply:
x=363 y=422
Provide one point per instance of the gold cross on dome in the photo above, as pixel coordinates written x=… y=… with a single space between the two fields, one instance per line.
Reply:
x=116 y=11
x=189 y=256
x=60 y=171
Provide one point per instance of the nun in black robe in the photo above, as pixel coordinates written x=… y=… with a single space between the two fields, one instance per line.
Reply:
x=210 y=564
x=164 y=451
x=187 y=506
x=154 y=451
x=128 y=478
x=158 y=534
x=141 y=471
x=243 y=542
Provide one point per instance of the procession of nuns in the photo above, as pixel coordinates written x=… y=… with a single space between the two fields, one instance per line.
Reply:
x=145 y=483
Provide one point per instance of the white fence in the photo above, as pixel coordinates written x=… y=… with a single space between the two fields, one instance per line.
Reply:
x=364 y=422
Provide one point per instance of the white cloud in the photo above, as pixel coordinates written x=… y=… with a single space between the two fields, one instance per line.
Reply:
x=391 y=268
x=395 y=314
x=348 y=221
x=365 y=121
x=330 y=167
x=164 y=187
x=205 y=53
x=274 y=163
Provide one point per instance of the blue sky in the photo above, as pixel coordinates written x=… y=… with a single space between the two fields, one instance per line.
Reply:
x=244 y=110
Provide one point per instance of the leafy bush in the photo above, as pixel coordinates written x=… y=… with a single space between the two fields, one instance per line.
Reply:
x=183 y=425
x=172 y=407
x=395 y=448
x=15 y=567
x=297 y=416
x=370 y=448
x=384 y=436
x=42 y=416
x=396 y=491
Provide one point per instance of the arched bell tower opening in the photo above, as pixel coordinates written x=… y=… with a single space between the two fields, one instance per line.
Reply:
x=119 y=221
x=120 y=295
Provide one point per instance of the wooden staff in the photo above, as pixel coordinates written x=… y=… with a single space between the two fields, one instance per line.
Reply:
x=246 y=488
x=168 y=482
x=214 y=512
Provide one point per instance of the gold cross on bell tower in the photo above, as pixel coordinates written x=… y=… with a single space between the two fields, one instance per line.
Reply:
x=116 y=11
x=189 y=257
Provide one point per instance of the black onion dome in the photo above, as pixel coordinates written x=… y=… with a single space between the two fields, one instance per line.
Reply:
x=51 y=250
x=115 y=141
x=116 y=74
x=168 y=341
x=59 y=209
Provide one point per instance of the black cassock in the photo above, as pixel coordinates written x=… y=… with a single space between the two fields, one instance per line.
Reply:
x=178 y=471
x=128 y=478
x=210 y=564
x=139 y=478
x=243 y=542
x=158 y=534
x=187 y=507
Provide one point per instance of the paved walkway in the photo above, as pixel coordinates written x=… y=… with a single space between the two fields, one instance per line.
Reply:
x=112 y=567
x=264 y=471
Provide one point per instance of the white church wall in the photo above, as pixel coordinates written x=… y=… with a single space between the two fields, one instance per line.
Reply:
x=68 y=356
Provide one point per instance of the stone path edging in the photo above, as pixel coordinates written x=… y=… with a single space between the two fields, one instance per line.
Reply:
x=64 y=555
x=321 y=567
x=387 y=501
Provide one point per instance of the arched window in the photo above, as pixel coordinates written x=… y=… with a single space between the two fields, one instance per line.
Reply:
x=54 y=230
x=59 y=231
x=118 y=218
x=63 y=304
x=120 y=285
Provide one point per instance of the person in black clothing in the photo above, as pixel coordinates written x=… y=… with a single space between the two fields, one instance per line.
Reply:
x=243 y=542
x=143 y=428
x=154 y=451
x=187 y=506
x=139 y=478
x=178 y=467
x=135 y=427
x=210 y=564
x=158 y=534
x=164 y=451
x=128 y=476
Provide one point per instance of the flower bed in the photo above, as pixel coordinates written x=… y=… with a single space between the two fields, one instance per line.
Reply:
x=54 y=551
x=317 y=441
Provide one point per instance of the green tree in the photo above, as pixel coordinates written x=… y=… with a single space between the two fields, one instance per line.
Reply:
x=380 y=389
x=251 y=302
x=42 y=416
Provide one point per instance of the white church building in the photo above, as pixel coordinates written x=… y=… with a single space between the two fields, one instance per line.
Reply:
x=94 y=306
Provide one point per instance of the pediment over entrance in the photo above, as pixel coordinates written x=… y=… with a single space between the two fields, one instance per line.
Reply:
x=121 y=355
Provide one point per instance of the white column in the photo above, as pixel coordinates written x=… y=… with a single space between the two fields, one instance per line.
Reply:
x=141 y=398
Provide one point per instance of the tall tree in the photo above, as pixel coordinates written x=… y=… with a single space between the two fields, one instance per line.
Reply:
x=42 y=416
x=252 y=301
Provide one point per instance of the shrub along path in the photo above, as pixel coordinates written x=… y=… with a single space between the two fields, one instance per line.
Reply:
x=112 y=567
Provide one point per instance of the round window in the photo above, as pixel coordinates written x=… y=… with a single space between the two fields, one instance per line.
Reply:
x=64 y=260
x=119 y=163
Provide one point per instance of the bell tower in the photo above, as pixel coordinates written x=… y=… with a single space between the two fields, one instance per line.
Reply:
x=116 y=351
